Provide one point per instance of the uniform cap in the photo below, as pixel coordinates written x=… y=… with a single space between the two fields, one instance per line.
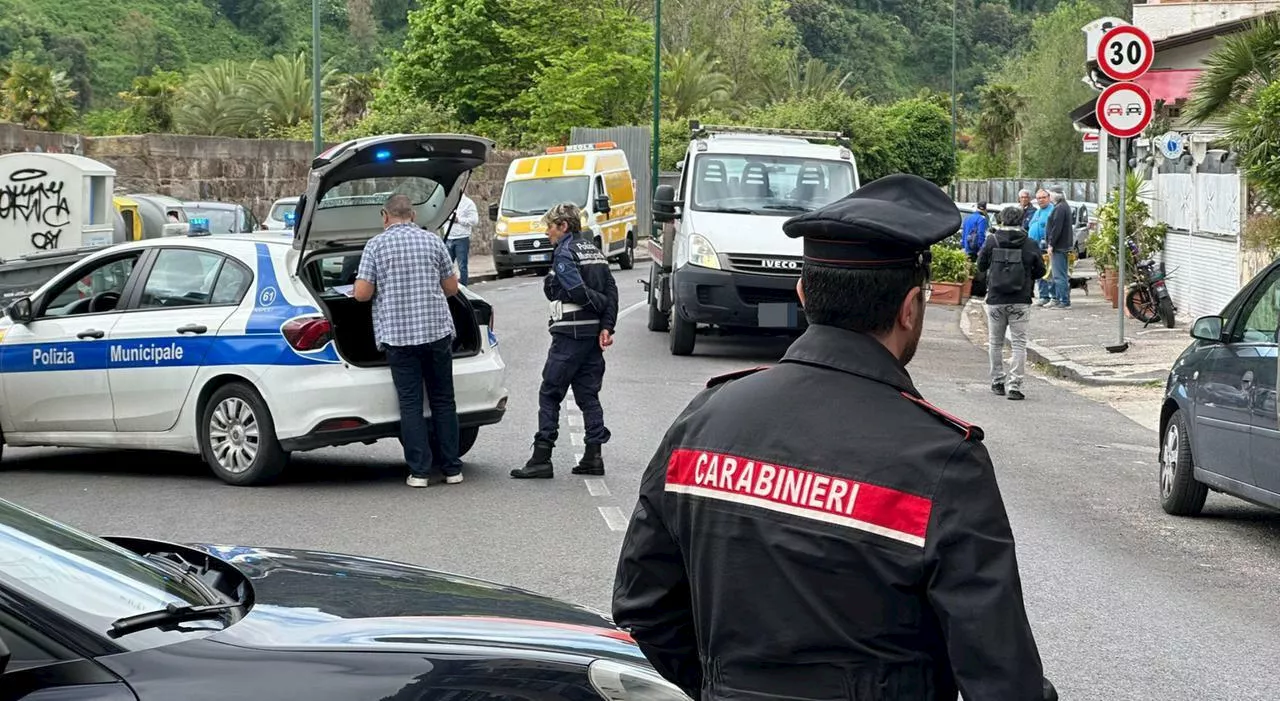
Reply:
x=888 y=223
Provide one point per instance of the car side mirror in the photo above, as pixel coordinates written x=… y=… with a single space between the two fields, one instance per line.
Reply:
x=493 y=212
x=602 y=204
x=20 y=311
x=665 y=204
x=1207 y=328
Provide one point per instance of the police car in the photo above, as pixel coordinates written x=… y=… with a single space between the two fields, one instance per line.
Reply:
x=244 y=348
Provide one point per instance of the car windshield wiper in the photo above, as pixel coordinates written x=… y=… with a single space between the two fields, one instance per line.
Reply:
x=733 y=210
x=789 y=207
x=169 y=615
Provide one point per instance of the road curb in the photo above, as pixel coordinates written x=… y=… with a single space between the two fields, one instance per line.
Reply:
x=1056 y=363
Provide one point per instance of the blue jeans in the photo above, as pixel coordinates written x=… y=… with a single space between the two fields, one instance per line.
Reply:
x=1061 y=278
x=414 y=368
x=460 y=251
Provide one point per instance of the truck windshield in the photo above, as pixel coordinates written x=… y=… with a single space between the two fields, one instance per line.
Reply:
x=527 y=198
x=770 y=185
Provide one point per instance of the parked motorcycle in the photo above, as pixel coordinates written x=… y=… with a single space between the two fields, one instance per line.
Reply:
x=1148 y=297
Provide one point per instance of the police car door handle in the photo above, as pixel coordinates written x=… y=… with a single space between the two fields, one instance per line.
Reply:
x=193 y=328
x=90 y=333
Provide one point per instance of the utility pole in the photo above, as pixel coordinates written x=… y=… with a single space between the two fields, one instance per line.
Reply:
x=657 y=107
x=316 y=112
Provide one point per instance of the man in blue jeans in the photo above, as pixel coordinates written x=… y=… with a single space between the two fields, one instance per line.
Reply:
x=407 y=273
x=1061 y=238
x=465 y=218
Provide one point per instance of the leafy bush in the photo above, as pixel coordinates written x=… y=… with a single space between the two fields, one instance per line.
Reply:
x=949 y=264
x=1262 y=231
x=1139 y=228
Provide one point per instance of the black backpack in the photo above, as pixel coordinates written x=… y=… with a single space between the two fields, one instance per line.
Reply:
x=1007 y=274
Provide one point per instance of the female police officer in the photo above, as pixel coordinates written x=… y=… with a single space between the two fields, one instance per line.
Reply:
x=584 y=308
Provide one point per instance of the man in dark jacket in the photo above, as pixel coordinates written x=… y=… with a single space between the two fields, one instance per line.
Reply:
x=584 y=309
x=1061 y=238
x=1013 y=263
x=817 y=530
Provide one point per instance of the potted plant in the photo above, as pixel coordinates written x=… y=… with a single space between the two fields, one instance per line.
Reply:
x=1139 y=228
x=951 y=276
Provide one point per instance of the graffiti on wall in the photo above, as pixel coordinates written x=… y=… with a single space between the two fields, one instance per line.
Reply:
x=31 y=200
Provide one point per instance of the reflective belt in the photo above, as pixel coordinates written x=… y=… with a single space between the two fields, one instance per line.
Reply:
x=558 y=309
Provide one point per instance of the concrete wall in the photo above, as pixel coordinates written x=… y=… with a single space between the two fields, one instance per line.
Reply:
x=1164 y=19
x=252 y=172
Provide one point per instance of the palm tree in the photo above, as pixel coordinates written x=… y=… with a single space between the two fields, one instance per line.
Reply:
x=281 y=88
x=999 y=107
x=805 y=79
x=1234 y=73
x=214 y=102
x=37 y=97
x=352 y=95
x=692 y=84
x=152 y=101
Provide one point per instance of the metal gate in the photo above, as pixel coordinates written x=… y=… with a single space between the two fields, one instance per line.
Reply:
x=634 y=141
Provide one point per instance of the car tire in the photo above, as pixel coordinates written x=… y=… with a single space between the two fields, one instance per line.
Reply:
x=683 y=334
x=467 y=439
x=627 y=260
x=1180 y=493
x=504 y=273
x=230 y=421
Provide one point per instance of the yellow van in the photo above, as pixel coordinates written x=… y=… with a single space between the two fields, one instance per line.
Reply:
x=595 y=177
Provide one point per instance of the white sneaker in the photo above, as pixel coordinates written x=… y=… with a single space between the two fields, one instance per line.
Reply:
x=453 y=479
x=417 y=482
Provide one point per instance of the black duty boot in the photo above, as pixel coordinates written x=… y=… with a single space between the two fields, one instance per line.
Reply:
x=539 y=465
x=592 y=463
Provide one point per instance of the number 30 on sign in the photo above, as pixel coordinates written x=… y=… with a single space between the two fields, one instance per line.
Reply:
x=1125 y=53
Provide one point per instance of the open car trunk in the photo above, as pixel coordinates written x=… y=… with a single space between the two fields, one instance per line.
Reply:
x=353 y=320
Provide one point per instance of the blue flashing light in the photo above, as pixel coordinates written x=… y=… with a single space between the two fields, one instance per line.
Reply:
x=382 y=155
x=290 y=218
x=199 y=225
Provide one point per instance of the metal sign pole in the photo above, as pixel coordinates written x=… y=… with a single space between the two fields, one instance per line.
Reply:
x=1123 y=249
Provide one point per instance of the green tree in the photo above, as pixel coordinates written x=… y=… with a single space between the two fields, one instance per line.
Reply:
x=922 y=139
x=37 y=97
x=281 y=88
x=804 y=79
x=214 y=102
x=152 y=102
x=692 y=84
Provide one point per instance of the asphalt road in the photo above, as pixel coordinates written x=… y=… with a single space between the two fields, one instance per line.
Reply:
x=1127 y=603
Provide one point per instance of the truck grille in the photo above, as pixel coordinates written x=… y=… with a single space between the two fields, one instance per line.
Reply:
x=782 y=266
x=526 y=245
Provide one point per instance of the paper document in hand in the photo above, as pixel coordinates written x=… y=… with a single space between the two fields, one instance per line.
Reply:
x=348 y=290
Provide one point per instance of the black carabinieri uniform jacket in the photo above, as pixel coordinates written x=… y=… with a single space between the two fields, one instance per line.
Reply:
x=580 y=278
x=816 y=530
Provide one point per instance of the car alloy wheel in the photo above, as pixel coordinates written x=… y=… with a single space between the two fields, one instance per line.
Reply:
x=233 y=435
x=1169 y=460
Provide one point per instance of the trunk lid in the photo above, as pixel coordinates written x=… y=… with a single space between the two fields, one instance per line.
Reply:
x=349 y=183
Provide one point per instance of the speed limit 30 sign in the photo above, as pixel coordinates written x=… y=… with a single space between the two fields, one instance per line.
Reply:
x=1125 y=53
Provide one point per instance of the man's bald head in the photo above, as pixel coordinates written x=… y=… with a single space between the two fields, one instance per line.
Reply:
x=398 y=209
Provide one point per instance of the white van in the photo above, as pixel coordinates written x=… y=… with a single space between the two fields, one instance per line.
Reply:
x=724 y=261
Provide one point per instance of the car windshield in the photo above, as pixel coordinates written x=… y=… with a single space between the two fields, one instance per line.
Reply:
x=221 y=221
x=87 y=579
x=528 y=198
x=775 y=185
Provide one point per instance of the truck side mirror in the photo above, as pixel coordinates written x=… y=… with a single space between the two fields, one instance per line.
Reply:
x=664 y=204
x=493 y=212
x=20 y=311
x=602 y=204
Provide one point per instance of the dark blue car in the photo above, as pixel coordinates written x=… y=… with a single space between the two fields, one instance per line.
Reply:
x=1219 y=425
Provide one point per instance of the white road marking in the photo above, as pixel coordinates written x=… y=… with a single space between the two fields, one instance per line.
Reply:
x=577 y=457
x=632 y=308
x=597 y=487
x=575 y=419
x=614 y=518
x=576 y=439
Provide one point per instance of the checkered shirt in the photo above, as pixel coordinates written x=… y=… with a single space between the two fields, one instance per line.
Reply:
x=406 y=263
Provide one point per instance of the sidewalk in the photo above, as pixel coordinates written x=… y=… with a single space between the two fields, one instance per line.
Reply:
x=1072 y=342
x=480 y=265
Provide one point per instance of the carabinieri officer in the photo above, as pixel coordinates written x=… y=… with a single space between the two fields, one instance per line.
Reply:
x=584 y=309
x=817 y=530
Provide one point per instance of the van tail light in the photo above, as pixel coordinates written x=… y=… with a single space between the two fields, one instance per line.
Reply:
x=308 y=334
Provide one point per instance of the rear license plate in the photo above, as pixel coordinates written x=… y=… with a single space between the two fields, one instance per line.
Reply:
x=777 y=315
x=537 y=258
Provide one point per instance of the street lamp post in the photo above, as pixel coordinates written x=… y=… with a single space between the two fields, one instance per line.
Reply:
x=955 y=148
x=315 y=77
x=654 y=163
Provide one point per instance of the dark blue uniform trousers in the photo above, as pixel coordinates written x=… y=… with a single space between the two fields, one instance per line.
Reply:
x=576 y=363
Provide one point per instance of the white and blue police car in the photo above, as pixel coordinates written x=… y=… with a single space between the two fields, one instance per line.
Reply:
x=244 y=348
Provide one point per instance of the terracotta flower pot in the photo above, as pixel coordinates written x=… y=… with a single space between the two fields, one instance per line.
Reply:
x=950 y=293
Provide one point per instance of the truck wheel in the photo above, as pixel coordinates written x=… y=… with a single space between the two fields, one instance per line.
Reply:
x=683 y=333
x=627 y=260
x=1180 y=493
x=238 y=437
x=467 y=439
x=504 y=273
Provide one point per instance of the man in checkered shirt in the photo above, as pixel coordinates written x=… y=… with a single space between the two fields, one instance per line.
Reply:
x=408 y=274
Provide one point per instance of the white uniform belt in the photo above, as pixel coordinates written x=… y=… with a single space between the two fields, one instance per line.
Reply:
x=571 y=307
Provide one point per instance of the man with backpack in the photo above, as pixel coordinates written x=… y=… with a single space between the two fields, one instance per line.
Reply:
x=1012 y=263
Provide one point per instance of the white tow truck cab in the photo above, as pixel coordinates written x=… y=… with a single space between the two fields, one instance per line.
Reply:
x=724 y=261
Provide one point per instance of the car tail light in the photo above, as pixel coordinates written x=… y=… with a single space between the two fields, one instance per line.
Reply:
x=308 y=334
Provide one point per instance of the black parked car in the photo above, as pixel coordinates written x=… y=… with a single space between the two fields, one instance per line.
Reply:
x=1219 y=425
x=128 y=619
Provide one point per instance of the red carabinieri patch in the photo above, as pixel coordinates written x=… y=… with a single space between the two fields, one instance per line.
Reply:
x=790 y=490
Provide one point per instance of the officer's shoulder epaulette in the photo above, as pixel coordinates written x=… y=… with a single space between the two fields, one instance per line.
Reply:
x=970 y=431
x=735 y=375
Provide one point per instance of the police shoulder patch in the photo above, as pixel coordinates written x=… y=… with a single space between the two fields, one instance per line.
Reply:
x=735 y=375
x=970 y=431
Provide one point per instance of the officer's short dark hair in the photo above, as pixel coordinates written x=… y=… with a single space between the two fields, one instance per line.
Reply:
x=865 y=300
